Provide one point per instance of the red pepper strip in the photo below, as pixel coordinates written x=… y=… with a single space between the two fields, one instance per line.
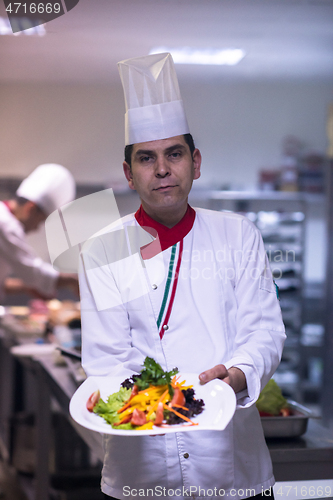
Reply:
x=123 y=408
x=125 y=420
x=175 y=380
x=179 y=414
x=134 y=392
x=159 y=414
x=180 y=406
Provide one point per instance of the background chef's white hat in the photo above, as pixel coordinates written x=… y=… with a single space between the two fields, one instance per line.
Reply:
x=154 y=108
x=49 y=186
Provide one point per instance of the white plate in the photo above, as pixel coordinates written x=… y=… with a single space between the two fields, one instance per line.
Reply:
x=219 y=399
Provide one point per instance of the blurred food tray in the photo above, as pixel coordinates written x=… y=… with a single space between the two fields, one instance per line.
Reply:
x=287 y=427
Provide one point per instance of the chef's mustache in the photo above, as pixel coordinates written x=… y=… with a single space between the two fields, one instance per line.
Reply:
x=90 y=221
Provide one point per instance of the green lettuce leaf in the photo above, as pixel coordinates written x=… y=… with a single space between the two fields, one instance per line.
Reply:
x=108 y=410
x=271 y=399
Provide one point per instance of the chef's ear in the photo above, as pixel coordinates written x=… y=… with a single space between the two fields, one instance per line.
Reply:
x=28 y=208
x=128 y=174
x=196 y=163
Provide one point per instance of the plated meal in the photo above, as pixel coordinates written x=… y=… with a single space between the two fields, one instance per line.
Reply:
x=152 y=398
x=152 y=402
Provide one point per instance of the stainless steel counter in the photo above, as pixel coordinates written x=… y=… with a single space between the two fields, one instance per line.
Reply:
x=305 y=458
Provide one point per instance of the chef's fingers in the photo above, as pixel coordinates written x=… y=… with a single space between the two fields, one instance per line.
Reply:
x=218 y=371
x=237 y=379
x=70 y=281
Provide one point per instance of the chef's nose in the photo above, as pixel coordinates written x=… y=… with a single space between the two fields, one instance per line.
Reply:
x=162 y=167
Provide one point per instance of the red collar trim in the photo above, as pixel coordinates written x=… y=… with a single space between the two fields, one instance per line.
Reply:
x=6 y=203
x=166 y=237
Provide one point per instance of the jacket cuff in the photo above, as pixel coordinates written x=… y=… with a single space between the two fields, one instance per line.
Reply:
x=248 y=396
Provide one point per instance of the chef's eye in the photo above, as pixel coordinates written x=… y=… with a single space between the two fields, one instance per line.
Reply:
x=175 y=154
x=145 y=159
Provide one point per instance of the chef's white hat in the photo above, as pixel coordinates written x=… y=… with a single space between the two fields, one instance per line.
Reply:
x=154 y=108
x=49 y=186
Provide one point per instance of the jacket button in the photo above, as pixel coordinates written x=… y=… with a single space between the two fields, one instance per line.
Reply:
x=165 y=327
x=186 y=455
x=154 y=286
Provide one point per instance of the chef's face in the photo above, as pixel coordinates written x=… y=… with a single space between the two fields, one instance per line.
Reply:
x=31 y=217
x=162 y=172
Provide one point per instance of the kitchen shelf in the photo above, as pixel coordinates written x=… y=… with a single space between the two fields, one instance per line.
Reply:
x=281 y=218
x=267 y=195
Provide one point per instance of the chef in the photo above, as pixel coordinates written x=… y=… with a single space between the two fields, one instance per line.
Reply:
x=198 y=296
x=47 y=188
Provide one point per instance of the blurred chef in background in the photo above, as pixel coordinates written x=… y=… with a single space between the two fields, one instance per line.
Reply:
x=46 y=189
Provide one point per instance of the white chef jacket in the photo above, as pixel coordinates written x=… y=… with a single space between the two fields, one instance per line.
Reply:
x=18 y=259
x=225 y=311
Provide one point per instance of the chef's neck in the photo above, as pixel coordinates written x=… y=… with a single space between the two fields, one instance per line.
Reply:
x=169 y=217
x=15 y=208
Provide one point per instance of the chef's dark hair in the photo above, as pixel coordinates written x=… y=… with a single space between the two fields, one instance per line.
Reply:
x=129 y=149
x=22 y=201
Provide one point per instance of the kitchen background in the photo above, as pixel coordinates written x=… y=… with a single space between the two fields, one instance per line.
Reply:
x=260 y=125
x=263 y=128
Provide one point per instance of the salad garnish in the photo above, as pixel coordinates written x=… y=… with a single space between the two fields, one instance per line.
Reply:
x=153 y=398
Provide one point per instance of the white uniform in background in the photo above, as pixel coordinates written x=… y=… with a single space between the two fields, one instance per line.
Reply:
x=49 y=186
x=225 y=311
x=17 y=258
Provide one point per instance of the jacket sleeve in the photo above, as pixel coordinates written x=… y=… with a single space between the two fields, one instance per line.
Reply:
x=106 y=337
x=25 y=264
x=260 y=332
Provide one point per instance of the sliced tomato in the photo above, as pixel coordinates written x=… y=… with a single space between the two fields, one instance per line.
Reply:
x=138 y=417
x=134 y=392
x=93 y=400
x=178 y=398
x=285 y=412
x=159 y=414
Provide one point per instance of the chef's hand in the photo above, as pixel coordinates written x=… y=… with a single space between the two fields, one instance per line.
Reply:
x=70 y=281
x=17 y=286
x=234 y=376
